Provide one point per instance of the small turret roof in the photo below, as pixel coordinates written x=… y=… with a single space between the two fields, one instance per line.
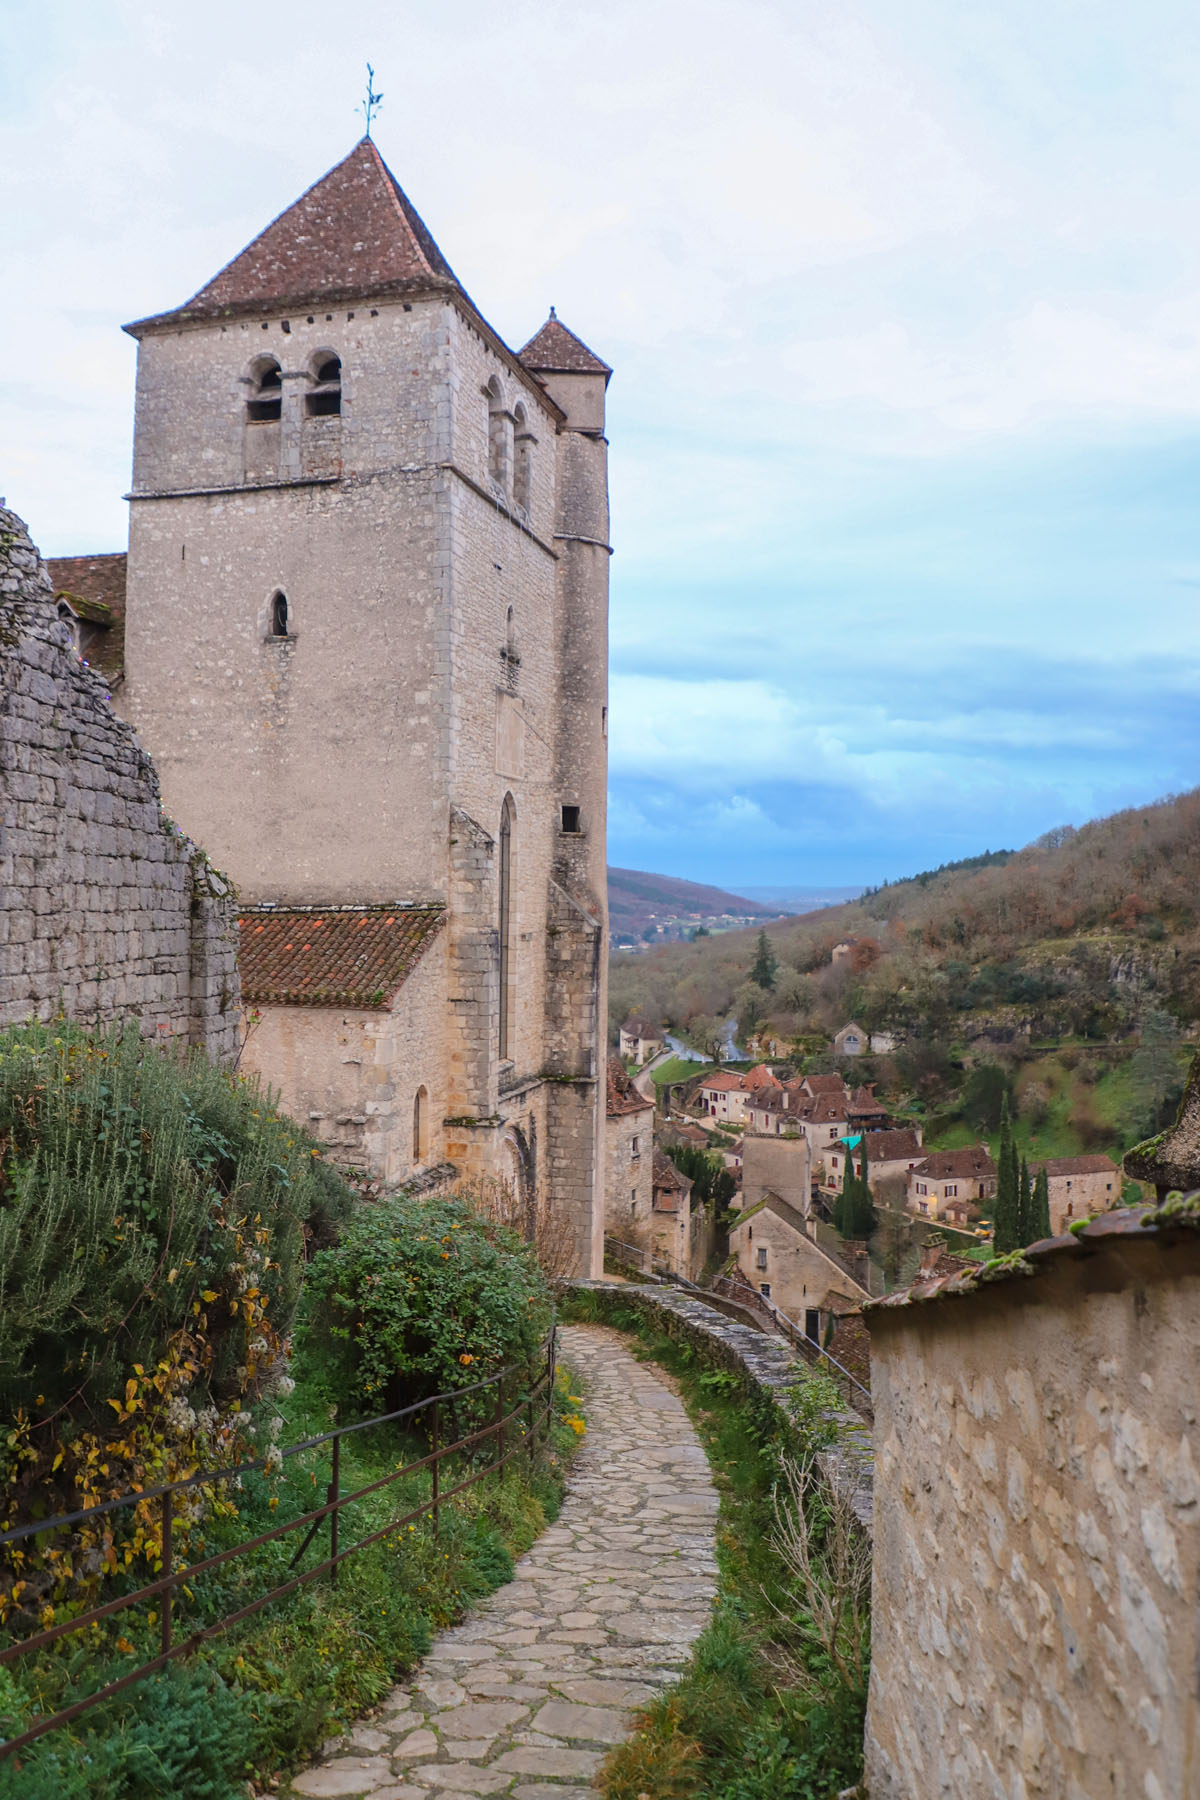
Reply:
x=556 y=351
x=355 y=234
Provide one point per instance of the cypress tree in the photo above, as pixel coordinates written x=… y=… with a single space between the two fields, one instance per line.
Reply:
x=1007 y=1232
x=1024 y=1205
x=844 y=1202
x=1041 y=1207
x=864 y=1173
x=766 y=963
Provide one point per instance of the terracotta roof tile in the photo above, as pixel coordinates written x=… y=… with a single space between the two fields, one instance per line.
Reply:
x=1076 y=1165
x=623 y=1097
x=942 y=1165
x=824 y=1084
x=98 y=582
x=333 y=956
x=556 y=351
x=889 y=1146
x=671 y=1188
x=722 y=1081
x=353 y=235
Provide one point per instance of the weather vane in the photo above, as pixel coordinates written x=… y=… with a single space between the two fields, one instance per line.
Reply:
x=373 y=101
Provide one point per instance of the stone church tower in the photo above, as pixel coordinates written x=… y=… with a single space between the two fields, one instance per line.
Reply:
x=366 y=645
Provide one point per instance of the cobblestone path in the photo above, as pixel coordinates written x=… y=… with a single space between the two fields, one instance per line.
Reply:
x=526 y=1696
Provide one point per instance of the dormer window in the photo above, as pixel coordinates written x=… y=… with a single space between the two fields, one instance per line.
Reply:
x=279 y=615
x=266 y=391
x=324 y=397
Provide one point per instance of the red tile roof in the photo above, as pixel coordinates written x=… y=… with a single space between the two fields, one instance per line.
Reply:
x=946 y=1165
x=824 y=1084
x=671 y=1188
x=98 y=582
x=556 y=351
x=890 y=1146
x=623 y=1097
x=723 y=1081
x=333 y=956
x=759 y=1077
x=353 y=235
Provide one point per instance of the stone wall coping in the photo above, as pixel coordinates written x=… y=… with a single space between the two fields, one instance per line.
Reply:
x=764 y=1363
x=1176 y=1219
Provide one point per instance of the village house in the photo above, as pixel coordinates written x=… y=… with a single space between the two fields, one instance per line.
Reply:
x=393 y=527
x=891 y=1155
x=851 y=1040
x=1078 y=1186
x=726 y=1094
x=640 y=1040
x=844 y=951
x=951 y=1175
x=775 y=1254
x=628 y=1153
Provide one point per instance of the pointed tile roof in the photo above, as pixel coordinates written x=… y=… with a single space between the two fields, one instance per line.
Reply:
x=354 y=235
x=556 y=351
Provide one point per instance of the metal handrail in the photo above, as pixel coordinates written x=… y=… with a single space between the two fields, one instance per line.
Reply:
x=744 y=1295
x=335 y=1501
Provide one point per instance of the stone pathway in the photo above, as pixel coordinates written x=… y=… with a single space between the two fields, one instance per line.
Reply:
x=527 y=1695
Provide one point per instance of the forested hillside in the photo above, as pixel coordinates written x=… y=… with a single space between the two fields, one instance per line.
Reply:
x=1086 y=938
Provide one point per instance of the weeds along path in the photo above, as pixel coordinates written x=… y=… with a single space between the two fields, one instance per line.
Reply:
x=528 y=1694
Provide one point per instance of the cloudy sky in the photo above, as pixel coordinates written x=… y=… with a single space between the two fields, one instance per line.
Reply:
x=903 y=298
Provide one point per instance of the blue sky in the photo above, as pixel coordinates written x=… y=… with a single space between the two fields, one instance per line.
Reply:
x=903 y=299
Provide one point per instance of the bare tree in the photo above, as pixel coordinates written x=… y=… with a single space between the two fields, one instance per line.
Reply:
x=828 y=1557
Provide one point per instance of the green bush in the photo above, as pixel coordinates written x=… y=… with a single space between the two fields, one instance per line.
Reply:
x=421 y=1296
x=133 y=1182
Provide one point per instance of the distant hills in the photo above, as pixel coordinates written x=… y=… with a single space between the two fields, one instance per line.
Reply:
x=637 y=900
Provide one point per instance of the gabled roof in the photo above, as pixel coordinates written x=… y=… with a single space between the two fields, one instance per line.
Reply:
x=556 y=351
x=945 y=1165
x=722 y=1081
x=671 y=1186
x=1076 y=1165
x=823 y=1084
x=357 y=956
x=639 y=1027
x=759 y=1077
x=354 y=235
x=623 y=1097
x=890 y=1146
x=94 y=588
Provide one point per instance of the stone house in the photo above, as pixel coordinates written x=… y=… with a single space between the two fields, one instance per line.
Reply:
x=107 y=911
x=366 y=644
x=1036 y=1560
x=1078 y=1186
x=951 y=1175
x=640 y=1040
x=726 y=1093
x=781 y=1166
x=776 y=1254
x=851 y=1040
x=628 y=1152
x=891 y=1155
x=843 y=951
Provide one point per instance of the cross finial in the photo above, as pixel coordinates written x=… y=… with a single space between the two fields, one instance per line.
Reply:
x=372 y=101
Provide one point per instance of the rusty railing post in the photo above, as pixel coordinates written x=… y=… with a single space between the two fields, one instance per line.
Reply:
x=436 y=1456
x=334 y=1490
x=167 y=1521
x=500 y=1423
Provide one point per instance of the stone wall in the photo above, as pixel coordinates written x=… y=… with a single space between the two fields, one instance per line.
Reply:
x=766 y=1366
x=1037 y=1557
x=106 y=909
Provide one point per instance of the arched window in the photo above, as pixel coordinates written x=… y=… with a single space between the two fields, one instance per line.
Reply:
x=498 y=439
x=266 y=390
x=324 y=397
x=420 y=1148
x=522 y=459
x=505 y=921
x=279 y=614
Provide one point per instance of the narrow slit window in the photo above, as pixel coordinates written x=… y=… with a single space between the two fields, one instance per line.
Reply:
x=504 y=1032
x=279 y=616
x=420 y=1147
x=324 y=397
x=266 y=391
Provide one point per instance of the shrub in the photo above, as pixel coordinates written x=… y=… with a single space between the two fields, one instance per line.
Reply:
x=422 y=1296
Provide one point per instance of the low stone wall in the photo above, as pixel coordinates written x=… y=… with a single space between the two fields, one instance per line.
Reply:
x=1037 y=1551
x=767 y=1366
x=106 y=910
